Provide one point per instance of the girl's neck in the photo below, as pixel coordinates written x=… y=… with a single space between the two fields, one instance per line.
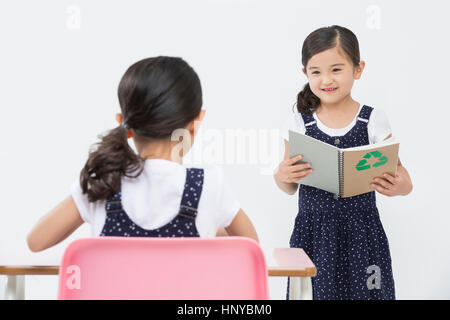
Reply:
x=338 y=115
x=158 y=150
x=345 y=106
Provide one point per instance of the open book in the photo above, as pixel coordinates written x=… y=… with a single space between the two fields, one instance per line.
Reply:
x=344 y=172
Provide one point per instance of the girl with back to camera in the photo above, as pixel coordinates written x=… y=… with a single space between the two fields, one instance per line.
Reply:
x=149 y=194
x=343 y=236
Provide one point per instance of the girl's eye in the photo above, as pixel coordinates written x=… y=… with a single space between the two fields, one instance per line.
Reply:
x=335 y=70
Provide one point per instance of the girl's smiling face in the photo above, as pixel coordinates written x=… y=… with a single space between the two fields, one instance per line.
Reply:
x=331 y=75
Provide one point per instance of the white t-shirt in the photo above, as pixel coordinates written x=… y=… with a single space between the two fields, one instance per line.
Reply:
x=378 y=126
x=153 y=199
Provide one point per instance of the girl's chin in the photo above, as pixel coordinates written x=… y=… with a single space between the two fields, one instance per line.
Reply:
x=328 y=97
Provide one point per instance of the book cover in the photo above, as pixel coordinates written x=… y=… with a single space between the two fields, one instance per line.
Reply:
x=362 y=165
x=344 y=172
x=323 y=158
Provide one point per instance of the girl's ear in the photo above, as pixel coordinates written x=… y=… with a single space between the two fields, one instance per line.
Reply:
x=195 y=124
x=119 y=118
x=201 y=115
x=359 y=70
x=304 y=72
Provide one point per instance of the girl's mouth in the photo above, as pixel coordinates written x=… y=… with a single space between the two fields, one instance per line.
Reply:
x=329 y=90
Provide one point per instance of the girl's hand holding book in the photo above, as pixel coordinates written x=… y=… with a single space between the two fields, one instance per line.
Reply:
x=289 y=172
x=390 y=186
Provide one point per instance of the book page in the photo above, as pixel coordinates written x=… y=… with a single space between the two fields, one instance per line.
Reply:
x=323 y=158
x=383 y=143
x=361 y=166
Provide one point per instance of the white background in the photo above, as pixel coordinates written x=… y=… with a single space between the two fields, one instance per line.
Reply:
x=61 y=62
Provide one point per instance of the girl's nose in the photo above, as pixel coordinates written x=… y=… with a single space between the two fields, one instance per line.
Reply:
x=327 y=82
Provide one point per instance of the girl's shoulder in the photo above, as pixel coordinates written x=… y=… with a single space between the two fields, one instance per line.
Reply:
x=378 y=126
x=378 y=112
x=293 y=121
x=214 y=173
x=372 y=110
x=215 y=181
x=218 y=198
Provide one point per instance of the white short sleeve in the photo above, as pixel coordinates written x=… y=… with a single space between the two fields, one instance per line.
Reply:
x=227 y=205
x=294 y=122
x=87 y=209
x=378 y=127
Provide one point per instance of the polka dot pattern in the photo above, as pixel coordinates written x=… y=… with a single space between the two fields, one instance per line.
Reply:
x=119 y=224
x=344 y=237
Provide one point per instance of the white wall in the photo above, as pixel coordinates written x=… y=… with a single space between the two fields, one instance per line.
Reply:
x=61 y=62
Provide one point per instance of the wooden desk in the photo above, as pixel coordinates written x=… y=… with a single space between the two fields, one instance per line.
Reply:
x=281 y=262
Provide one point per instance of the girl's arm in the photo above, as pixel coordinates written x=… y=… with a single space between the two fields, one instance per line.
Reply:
x=391 y=186
x=222 y=232
x=240 y=226
x=55 y=226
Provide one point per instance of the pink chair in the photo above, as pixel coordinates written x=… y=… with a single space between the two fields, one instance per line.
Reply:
x=163 y=268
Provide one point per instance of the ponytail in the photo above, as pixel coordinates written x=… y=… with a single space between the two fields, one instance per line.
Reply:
x=113 y=158
x=307 y=101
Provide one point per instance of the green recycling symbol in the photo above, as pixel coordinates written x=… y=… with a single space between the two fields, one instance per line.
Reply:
x=364 y=165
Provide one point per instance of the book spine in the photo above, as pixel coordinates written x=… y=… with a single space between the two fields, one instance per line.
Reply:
x=341 y=172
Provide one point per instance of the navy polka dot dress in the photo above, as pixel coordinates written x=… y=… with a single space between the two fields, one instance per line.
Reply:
x=344 y=237
x=118 y=223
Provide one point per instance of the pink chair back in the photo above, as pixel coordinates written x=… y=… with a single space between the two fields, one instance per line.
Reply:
x=163 y=268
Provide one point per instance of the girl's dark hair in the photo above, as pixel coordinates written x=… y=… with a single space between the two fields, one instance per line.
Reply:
x=157 y=96
x=320 y=40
